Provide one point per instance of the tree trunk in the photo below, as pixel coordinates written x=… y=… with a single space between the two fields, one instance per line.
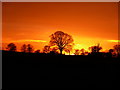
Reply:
x=61 y=51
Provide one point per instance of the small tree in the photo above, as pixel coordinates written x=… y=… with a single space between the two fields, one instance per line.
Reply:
x=82 y=51
x=24 y=48
x=46 y=49
x=37 y=51
x=117 y=49
x=95 y=49
x=77 y=52
x=30 y=48
x=61 y=40
x=11 y=47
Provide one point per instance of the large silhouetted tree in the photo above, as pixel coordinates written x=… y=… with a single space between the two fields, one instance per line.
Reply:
x=30 y=48
x=46 y=49
x=11 y=47
x=24 y=48
x=61 y=40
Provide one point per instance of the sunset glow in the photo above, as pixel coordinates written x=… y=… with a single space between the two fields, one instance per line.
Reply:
x=33 y=23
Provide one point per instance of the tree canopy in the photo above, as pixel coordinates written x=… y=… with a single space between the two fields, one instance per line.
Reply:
x=61 y=40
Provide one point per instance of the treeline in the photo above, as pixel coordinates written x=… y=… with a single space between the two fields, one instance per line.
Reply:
x=59 y=42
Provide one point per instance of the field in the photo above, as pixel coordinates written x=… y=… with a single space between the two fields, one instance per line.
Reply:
x=24 y=70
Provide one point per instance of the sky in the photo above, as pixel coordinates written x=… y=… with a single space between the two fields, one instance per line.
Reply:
x=89 y=23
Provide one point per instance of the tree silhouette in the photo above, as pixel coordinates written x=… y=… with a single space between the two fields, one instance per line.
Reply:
x=11 y=47
x=82 y=51
x=111 y=50
x=117 y=49
x=29 y=48
x=46 y=49
x=24 y=48
x=77 y=52
x=37 y=51
x=61 y=40
x=110 y=53
x=95 y=49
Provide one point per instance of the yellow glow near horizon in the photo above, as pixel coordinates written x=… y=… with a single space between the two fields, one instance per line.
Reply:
x=29 y=41
x=114 y=40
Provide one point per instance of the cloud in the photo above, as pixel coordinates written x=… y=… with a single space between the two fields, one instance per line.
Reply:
x=113 y=40
x=29 y=41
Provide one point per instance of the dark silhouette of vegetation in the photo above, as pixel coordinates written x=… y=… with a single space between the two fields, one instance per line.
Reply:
x=117 y=49
x=37 y=51
x=82 y=51
x=95 y=49
x=77 y=52
x=11 y=47
x=61 y=40
x=55 y=50
x=46 y=49
x=30 y=48
x=24 y=48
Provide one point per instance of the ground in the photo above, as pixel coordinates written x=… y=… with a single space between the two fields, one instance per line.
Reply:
x=23 y=70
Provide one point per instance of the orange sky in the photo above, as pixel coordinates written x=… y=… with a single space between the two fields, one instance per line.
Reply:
x=88 y=23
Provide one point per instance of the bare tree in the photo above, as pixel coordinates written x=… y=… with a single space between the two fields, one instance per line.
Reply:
x=61 y=40
x=24 y=48
x=46 y=49
x=30 y=48
x=11 y=47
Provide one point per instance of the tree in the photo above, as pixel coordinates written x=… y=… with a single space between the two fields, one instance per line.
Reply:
x=29 y=48
x=37 y=51
x=24 y=48
x=110 y=53
x=111 y=50
x=77 y=52
x=117 y=49
x=82 y=51
x=46 y=49
x=95 y=49
x=11 y=47
x=61 y=40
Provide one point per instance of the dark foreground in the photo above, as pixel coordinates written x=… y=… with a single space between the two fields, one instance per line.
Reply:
x=54 y=71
